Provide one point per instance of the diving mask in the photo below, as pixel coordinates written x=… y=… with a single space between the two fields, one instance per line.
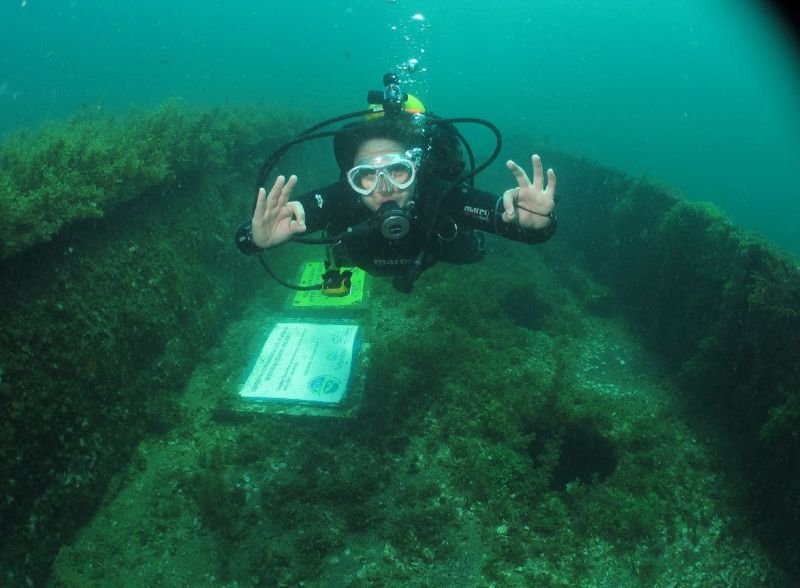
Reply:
x=398 y=170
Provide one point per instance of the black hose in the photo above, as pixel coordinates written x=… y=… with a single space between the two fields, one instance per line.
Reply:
x=310 y=134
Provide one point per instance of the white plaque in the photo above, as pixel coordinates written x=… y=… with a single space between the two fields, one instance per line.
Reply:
x=303 y=362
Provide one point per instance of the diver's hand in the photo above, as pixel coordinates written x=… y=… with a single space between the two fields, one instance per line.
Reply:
x=531 y=204
x=276 y=219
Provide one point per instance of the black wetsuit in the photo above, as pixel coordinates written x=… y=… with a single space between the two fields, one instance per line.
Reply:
x=463 y=215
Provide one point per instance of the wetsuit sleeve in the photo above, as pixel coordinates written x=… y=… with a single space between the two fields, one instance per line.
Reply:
x=325 y=206
x=317 y=215
x=484 y=211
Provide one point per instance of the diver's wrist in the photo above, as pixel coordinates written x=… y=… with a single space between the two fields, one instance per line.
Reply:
x=549 y=215
x=244 y=239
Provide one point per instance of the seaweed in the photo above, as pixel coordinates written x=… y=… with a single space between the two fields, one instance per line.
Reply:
x=118 y=274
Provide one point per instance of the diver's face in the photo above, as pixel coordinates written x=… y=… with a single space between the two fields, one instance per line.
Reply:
x=378 y=151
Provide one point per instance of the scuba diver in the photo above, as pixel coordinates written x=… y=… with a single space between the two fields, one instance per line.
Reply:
x=404 y=200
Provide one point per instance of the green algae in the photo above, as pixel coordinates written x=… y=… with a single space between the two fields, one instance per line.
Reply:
x=721 y=305
x=453 y=471
x=118 y=272
x=441 y=479
x=81 y=169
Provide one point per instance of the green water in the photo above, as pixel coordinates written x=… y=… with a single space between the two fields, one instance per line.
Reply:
x=700 y=95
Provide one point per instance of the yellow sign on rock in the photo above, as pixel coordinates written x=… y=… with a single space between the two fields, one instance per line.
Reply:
x=312 y=274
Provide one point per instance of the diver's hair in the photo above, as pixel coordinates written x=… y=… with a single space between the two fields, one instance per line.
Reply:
x=442 y=156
